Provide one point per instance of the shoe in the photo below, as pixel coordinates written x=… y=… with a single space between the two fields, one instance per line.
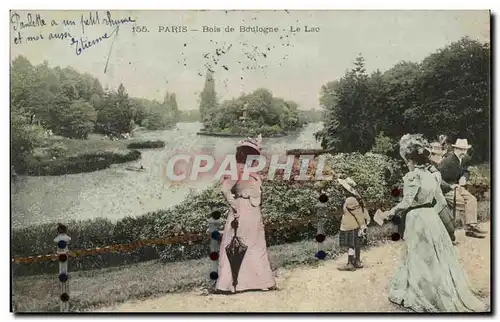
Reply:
x=347 y=267
x=474 y=234
x=273 y=288
x=476 y=229
x=358 y=264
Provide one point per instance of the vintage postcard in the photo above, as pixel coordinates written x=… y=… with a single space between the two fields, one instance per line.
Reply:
x=162 y=161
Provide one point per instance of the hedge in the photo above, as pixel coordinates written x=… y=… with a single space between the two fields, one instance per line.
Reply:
x=86 y=162
x=283 y=202
x=146 y=145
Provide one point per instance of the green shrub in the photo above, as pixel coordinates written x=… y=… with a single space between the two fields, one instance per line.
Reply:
x=146 y=145
x=57 y=150
x=283 y=202
x=477 y=177
x=383 y=144
x=270 y=131
x=86 y=162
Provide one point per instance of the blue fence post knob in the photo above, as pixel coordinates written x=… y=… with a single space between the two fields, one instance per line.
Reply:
x=61 y=244
x=320 y=254
x=215 y=235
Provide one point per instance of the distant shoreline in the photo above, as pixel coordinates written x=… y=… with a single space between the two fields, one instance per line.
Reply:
x=234 y=135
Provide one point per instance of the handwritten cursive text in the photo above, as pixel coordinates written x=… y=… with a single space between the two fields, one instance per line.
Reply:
x=84 y=43
x=109 y=21
x=30 y=22
x=90 y=20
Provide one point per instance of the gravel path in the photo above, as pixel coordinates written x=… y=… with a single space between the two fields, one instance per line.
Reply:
x=324 y=288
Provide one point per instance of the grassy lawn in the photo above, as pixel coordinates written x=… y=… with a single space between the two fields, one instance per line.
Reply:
x=100 y=288
x=59 y=155
x=94 y=143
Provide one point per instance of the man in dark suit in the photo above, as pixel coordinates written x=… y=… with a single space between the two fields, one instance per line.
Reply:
x=454 y=172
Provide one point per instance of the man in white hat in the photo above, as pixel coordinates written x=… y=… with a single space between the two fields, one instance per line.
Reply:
x=454 y=173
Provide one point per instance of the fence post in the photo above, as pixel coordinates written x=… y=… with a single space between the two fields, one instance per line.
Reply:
x=62 y=241
x=320 y=231
x=215 y=237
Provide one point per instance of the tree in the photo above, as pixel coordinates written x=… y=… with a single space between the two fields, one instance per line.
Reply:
x=154 y=115
x=156 y=120
x=115 y=113
x=139 y=106
x=208 y=97
x=454 y=94
x=175 y=107
x=25 y=138
x=74 y=120
x=22 y=76
x=401 y=96
x=42 y=92
x=171 y=108
x=350 y=125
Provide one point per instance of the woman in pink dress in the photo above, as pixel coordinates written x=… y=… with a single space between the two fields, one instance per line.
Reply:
x=244 y=198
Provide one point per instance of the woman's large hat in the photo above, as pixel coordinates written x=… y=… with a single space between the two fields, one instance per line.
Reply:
x=251 y=143
x=462 y=144
x=348 y=185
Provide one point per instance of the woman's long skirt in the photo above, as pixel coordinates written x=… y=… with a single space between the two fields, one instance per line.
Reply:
x=255 y=272
x=431 y=278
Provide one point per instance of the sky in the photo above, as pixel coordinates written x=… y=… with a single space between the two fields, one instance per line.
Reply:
x=292 y=64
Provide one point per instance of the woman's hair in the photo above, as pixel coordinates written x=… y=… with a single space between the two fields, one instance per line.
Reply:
x=415 y=148
x=243 y=152
x=419 y=156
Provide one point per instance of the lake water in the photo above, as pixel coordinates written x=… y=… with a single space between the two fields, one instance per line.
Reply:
x=116 y=192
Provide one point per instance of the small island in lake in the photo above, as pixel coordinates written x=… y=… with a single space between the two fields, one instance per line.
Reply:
x=248 y=115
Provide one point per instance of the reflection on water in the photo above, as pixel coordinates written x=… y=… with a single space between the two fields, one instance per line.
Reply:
x=116 y=192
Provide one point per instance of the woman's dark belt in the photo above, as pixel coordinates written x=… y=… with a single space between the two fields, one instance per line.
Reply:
x=402 y=223
x=425 y=205
x=241 y=197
